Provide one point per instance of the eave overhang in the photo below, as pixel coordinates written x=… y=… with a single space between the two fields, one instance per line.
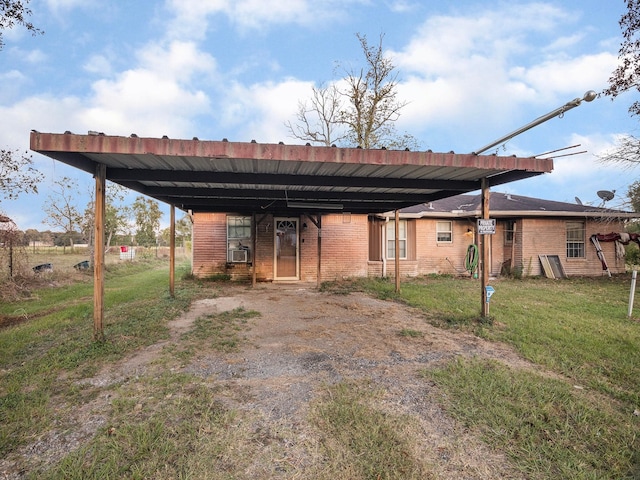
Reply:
x=601 y=214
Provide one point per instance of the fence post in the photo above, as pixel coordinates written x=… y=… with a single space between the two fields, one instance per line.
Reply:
x=632 y=292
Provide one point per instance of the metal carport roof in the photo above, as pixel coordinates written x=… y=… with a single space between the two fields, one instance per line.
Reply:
x=223 y=176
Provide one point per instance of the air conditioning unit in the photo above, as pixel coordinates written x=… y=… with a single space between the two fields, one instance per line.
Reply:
x=238 y=256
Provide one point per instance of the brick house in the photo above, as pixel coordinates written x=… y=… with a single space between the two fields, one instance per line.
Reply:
x=434 y=238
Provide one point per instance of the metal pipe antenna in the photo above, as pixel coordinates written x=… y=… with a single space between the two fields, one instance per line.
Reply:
x=588 y=97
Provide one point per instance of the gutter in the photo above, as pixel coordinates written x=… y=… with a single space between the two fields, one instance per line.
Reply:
x=519 y=213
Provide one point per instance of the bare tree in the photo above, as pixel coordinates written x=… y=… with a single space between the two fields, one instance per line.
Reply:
x=624 y=78
x=17 y=174
x=627 y=75
x=319 y=121
x=360 y=113
x=626 y=152
x=371 y=95
x=14 y=12
x=62 y=211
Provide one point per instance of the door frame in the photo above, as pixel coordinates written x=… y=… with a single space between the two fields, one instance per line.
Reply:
x=275 y=247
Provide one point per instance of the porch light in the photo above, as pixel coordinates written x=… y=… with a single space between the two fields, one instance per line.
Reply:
x=589 y=96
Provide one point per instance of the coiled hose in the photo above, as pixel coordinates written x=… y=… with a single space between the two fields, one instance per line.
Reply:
x=471 y=258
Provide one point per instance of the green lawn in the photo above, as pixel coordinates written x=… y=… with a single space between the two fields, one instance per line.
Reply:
x=577 y=420
x=574 y=414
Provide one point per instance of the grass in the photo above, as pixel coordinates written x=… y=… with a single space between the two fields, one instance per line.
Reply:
x=41 y=358
x=361 y=440
x=153 y=435
x=409 y=332
x=576 y=328
x=572 y=416
x=547 y=427
x=219 y=332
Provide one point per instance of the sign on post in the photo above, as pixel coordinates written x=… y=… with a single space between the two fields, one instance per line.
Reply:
x=486 y=226
x=489 y=291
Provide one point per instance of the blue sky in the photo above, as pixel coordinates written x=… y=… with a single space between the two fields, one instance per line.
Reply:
x=470 y=70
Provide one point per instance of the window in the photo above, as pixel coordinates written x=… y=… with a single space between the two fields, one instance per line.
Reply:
x=575 y=239
x=444 y=232
x=238 y=239
x=509 y=231
x=391 y=239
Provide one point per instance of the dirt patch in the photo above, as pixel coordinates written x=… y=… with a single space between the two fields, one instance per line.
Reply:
x=304 y=340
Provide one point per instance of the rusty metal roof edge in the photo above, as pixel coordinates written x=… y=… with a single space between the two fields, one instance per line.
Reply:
x=99 y=143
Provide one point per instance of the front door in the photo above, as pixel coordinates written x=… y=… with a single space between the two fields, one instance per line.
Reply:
x=286 y=249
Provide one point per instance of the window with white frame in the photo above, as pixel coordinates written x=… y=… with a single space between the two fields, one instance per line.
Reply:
x=444 y=232
x=575 y=239
x=238 y=239
x=391 y=239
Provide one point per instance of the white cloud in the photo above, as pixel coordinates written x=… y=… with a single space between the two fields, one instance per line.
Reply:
x=157 y=98
x=403 y=6
x=12 y=76
x=581 y=175
x=191 y=16
x=478 y=71
x=31 y=56
x=259 y=111
x=565 y=42
x=181 y=61
x=98 y=64
x=57 y=5
x=569 y=76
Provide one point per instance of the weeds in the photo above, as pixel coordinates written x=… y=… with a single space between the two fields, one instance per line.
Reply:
x=361 y=441
x=41 y=358
x=548 y=428
x=151 y=436
x=408 y=332
x=221 y=332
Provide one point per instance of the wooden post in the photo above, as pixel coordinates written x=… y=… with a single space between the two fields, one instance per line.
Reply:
x=319 y=266
x=172 y=252
x=98 y=254
x=513 y=246
x=254 y=248
x=484 y=252
x=397 y=249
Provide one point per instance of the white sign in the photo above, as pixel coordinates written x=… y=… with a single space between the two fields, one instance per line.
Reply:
x=486 y=226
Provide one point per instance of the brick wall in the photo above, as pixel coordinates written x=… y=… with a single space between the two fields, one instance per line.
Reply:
x=345 y=248
x=209 y=244
x=548 y=236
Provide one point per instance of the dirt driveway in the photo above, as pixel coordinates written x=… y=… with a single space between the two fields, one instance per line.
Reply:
x=303 y=340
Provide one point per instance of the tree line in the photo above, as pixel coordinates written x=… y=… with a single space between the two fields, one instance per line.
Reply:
x=134 y=224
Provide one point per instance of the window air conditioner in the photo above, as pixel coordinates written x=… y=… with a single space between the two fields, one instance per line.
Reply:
x=239 y=256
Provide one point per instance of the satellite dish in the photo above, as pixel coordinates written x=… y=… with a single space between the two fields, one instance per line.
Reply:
x=606 y=195
x=578 y=201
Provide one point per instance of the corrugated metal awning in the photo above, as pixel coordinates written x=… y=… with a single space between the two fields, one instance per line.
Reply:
x=222 y=176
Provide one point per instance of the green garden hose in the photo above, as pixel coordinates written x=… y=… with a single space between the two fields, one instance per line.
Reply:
x=471 y=259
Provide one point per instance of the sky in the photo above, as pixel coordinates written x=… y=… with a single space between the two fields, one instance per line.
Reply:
x=470 y=71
